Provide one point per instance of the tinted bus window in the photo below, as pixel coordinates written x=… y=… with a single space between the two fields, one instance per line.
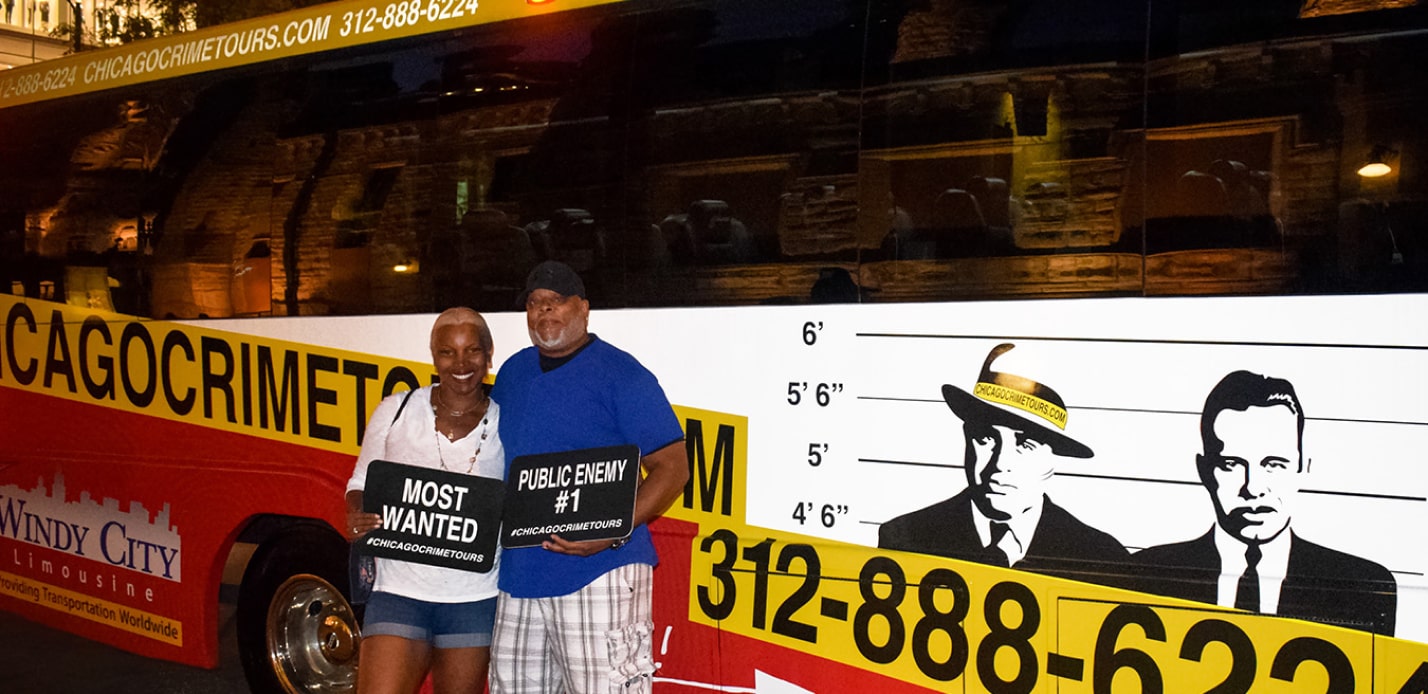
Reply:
x=722 y=153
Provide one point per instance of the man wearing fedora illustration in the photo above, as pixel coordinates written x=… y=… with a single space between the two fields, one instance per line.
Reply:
x=1252 y=464
x=1014 y=434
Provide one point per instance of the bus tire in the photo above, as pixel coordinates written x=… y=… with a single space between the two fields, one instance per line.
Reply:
x=297 y=634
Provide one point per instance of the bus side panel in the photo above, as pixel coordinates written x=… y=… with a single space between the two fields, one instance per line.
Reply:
x=834 y=422
x=116 y=525
x=688 y=652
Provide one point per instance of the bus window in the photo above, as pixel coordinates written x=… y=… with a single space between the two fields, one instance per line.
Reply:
x=710 y=154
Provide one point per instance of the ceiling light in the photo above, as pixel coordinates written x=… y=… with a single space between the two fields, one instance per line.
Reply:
x=1377 y=164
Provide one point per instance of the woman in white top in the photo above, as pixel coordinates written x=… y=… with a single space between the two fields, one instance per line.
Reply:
x=424 y=618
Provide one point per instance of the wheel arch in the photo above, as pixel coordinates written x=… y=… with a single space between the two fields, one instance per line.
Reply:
x=293 y=587
x=253 y=534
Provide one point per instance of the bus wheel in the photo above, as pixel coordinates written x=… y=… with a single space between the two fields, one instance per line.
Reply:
x=296 y=632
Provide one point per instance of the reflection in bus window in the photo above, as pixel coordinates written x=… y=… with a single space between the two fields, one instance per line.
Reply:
x=708 y=234
x=713 y=154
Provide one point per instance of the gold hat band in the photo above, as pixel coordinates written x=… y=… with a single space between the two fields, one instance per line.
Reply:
x=1026 y=402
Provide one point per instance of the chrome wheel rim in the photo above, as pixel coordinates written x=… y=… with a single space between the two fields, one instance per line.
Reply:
x=313 y=637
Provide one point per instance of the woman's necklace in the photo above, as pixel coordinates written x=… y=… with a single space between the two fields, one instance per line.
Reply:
x=470 y=464
x=449 y=409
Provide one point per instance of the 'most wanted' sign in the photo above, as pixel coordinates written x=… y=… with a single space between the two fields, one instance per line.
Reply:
x=432 y=516
x=587 y=494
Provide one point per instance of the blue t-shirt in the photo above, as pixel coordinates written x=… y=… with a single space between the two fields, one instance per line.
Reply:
x=601 y=397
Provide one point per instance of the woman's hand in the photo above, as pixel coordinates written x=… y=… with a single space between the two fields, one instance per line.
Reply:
x=360 y=523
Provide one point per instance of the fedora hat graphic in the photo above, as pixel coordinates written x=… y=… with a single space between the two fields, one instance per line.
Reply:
x=1016 y=402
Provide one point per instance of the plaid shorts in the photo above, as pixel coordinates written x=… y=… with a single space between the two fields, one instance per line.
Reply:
x=596 y=640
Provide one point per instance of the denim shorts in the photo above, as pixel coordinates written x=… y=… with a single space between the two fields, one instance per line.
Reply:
x=442 y=624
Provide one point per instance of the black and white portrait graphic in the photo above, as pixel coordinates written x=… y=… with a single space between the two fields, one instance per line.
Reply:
x=1073 y=455
x=1013 y=429
x=1253 y=465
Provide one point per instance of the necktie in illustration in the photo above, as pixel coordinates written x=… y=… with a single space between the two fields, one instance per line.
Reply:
x=1247 y=596
x=999 y=534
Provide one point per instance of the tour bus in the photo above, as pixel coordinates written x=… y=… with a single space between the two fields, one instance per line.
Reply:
x=874 y=250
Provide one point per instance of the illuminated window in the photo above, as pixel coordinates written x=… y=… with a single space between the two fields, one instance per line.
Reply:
x=463 y=199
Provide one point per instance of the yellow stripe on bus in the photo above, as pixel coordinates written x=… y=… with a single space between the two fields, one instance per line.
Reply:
x=952 y=625
x=113 y=614
x=278 y=390
x=315 y=29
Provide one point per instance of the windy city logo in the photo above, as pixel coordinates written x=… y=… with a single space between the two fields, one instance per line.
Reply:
x=99 y=532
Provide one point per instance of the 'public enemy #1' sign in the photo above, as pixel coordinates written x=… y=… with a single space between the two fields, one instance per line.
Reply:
x=432 y=517
x=587 y=494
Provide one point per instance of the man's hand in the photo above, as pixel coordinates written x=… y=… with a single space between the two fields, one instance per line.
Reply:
x=666 y=471
x=586 y=548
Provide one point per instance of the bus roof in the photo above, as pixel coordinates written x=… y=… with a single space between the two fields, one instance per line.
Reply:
x=326 y=27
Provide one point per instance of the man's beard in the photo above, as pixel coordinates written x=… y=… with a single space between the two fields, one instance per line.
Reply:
x=565 y=337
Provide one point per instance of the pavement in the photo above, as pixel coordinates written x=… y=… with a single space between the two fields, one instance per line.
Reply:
x=36 y=659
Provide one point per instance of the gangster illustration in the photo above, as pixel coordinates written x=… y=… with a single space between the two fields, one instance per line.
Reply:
x=1013 y=430
x=1252 y=464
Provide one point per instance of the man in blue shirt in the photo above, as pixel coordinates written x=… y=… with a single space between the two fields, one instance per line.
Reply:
x=576 y=616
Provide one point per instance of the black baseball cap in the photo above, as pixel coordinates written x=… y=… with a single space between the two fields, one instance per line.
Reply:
x=555 y=276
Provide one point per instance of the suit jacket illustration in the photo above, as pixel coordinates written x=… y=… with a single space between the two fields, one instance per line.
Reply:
x=1061 y=545
x=1320 y=584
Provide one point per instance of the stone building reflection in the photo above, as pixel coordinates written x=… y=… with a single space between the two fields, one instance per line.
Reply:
x=967 y=157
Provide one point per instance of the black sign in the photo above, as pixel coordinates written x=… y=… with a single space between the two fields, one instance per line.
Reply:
x=579 y=495
x=432 y=517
